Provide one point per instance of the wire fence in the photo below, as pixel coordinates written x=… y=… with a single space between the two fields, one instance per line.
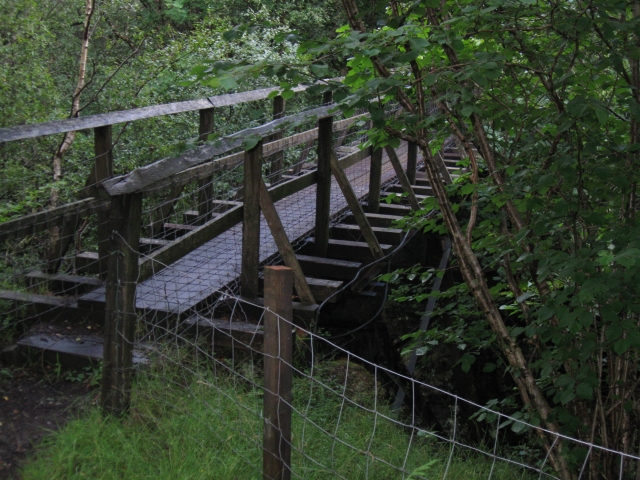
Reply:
x=199 y=346
x=343 y=424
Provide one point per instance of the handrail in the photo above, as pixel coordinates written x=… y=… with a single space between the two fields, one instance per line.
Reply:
x=156 y=171
x=23 y=132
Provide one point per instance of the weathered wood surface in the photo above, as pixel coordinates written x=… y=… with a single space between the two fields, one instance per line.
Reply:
x=205 y=185
x=31 y=224
x=343 y=231
x=347 y=250
x=402 y=176
x=120 y=312
x=328 y=267
x=22 y=132
x=356 y=208
x=412 y=160
x=251 y=222
x=275 y=167
x=62 y=283
x=284 y=246
x=199 y=236
x=375 y=169
x=278 y=374
x=196 y=266
x=142 y=177
x=323 y=182
x=377 y=219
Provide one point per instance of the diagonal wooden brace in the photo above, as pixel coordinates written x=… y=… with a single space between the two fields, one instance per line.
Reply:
x=284 y=246
x=356 y=208
x=404 y=181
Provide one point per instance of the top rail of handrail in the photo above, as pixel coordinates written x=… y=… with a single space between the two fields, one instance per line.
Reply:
x=22 y=132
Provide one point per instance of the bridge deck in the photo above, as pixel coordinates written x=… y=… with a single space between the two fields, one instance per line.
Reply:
x=216 y=264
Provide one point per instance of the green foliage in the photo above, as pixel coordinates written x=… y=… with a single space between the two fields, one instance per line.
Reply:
x=211 y=427
x=553 y=89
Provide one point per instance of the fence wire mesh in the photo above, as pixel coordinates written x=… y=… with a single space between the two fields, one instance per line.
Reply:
x=199 y=345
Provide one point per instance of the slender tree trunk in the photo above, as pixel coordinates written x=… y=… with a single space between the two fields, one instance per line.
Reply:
x=69 y=137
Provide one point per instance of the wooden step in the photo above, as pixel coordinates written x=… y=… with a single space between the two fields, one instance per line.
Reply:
x=62 y=284
x=227 y=334
x=173 y=231
x=394 y=209
x=321 y=288
x=418 y=190
x=148 y=245
x=87 y=263
x=320 y=267
x=375 y=219
x=345 y=250
x=402 y=200
x=382 y=220
x=344 y=231
x=193 y=217
x=33 y=306
x=71 y=350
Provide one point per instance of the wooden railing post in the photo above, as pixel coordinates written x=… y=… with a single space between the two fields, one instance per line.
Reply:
x=323 y=185
x=205 y=186
x=412 y=160
x=275 y=168
x=375 y=178
x=278 y=346
x=251 y=222
x=103 y=169
x=120 y=313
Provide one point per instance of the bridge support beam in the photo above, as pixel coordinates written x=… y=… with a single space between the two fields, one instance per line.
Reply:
x=120 y=315
x=103 y=150
x=249 y=279
x=404 y=181
x=323 y=186
x=375 y=176
x=412 y=160
x=275 y=167
x=356 y=208
x=205 y=186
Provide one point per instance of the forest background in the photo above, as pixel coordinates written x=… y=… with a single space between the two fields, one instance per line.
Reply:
x=542 y=96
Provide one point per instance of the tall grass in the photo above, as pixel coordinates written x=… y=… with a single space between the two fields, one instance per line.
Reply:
x=205 y=427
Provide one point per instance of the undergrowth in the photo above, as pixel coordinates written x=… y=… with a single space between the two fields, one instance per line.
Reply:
x=205 y=427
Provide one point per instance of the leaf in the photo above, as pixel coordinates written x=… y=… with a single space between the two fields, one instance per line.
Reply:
x=518 y=427
x=524 y=297
x=228 y=82
x=602 y=115
x=628 y=258
x=250 y=142
x=584 y=390
x=567 y=396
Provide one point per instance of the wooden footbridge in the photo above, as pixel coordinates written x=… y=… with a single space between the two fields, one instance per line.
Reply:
x=172 y=265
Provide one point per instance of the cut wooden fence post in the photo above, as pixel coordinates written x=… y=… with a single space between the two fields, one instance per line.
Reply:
x=120 y=314
x=284 y=246
x=278 y=346
x=412 y=161
x=275 y=167
x=404 y=181
x=356 y=208
x=375 y=177
x=251 y=222
x=323 y=185
x=205 y=186
x=103 y=169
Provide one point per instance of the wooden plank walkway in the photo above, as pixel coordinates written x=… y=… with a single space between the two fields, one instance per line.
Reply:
x=215 y=266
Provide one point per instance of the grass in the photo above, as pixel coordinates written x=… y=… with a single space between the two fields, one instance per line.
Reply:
x=202 y=427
